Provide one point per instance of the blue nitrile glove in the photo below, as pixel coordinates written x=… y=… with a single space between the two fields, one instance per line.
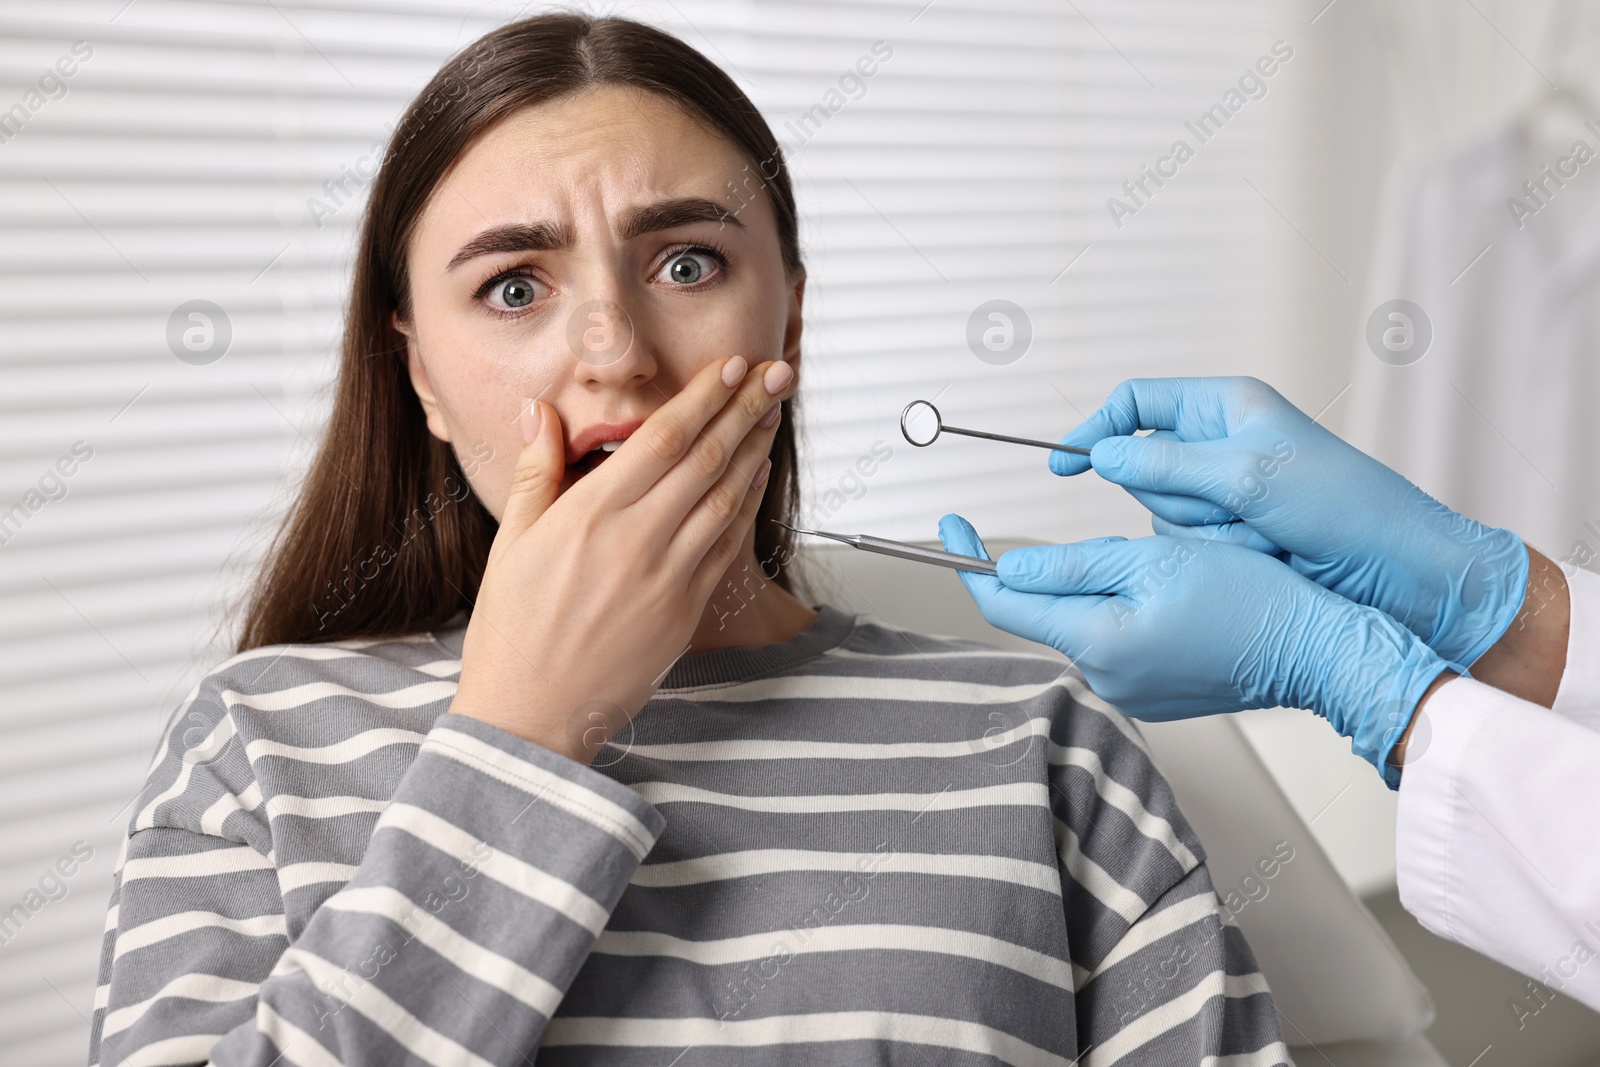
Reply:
x=1232 y=460
x=1193 y=627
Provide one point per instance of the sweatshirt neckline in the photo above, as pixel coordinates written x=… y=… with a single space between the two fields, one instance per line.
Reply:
x=723 y=666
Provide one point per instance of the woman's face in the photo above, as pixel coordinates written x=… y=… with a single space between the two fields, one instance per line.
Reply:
x=589 y=253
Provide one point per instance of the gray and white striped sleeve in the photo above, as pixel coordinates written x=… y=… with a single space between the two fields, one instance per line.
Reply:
x=1181 y=986
x=485 y=883
x=1159 y=978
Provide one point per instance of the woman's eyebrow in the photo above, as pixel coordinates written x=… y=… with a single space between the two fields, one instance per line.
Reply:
x=552 y=237
x=680 y=211
x=515 y=237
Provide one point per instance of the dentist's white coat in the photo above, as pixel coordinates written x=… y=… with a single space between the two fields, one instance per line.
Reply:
x=1499 y=826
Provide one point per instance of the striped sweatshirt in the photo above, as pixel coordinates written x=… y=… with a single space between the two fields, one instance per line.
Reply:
x=861 y=846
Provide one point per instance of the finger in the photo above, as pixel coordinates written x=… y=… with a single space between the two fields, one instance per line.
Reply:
x=724 y=551
x=1204 y=470
x=1183 y=405
x=720 y=505
x=1238 y=532
x=957 y=535
x=541 y=465
x=670 y=431
x=1091 y=567
x=759 y=397
x=1176 y=509
x=1182 y=510
x=1195 y=409
x=1115 y=417
x=1060 y=622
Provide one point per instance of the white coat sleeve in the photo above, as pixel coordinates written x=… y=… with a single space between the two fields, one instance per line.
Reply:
x=1579 y=695
x=1499 y=812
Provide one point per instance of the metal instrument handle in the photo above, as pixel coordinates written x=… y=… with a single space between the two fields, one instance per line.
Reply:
x=954 y=561
x=1008 y=439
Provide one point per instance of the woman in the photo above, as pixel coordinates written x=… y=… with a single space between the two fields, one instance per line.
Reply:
x=529 y=747
x=1301 y=572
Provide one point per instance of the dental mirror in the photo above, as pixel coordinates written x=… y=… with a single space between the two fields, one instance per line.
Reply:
x=921 y=425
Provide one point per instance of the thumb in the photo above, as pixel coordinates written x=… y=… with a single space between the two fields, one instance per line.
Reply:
x=541 y=465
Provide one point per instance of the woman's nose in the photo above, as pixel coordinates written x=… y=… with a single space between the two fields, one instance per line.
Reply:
x=601 y=334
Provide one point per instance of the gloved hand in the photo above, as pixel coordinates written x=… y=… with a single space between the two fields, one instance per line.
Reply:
x=1232 y=460
x=1170 y=627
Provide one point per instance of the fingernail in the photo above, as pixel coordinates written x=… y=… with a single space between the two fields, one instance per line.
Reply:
x=770 y=419
x=778 y=377
x=761 y=474
x=733 y=371
x=528 y=419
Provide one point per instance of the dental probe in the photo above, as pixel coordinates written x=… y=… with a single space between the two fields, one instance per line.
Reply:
x=886 y=547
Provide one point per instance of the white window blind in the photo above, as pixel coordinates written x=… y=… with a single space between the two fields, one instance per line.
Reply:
x=176 y=164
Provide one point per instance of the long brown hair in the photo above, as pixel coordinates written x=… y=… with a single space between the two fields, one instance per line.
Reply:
x=385 y=537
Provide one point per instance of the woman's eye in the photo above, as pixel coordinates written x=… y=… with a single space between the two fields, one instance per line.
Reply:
x=516 y=292
x=687 y=268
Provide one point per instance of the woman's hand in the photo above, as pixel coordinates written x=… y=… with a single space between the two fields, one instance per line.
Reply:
x=588 y=599
x=1232 y=460
x=1174 y=627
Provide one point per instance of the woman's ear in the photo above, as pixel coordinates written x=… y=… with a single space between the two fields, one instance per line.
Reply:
x=420 y=382
x=791 y=330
